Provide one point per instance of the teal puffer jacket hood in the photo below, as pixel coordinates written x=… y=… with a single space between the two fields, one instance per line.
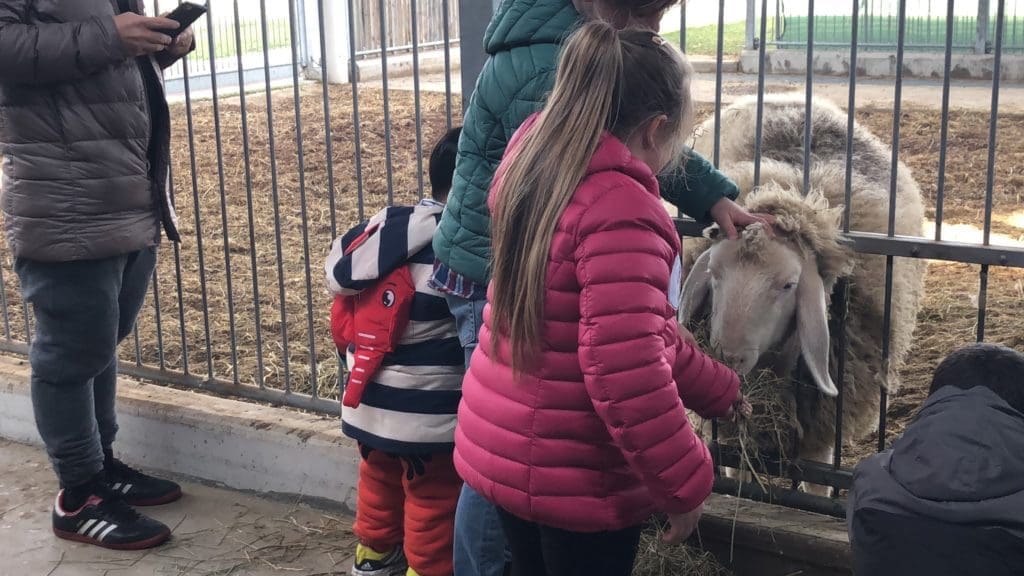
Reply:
x=523 y=42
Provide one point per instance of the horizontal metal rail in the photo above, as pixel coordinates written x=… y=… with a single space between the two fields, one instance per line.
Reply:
x=798 y=470
x=782 y=497
x=213 y=385
x=910 y=247
x=407 y=48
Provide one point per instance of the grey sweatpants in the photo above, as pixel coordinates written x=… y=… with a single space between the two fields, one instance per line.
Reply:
x=82 y=310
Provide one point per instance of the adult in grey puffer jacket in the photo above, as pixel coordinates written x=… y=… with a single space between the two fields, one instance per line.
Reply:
x=85 y=146
x=948 y=498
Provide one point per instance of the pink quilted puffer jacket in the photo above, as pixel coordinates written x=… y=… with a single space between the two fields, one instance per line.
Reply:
x=596 y=438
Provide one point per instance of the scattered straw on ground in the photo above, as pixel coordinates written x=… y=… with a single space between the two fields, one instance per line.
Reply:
x=655 y=558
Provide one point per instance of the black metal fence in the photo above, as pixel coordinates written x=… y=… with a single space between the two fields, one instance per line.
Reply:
x=983 y=254
x=267 y=175
x=972 y=24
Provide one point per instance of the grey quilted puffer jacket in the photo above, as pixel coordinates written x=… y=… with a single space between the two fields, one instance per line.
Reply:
x=84 y=133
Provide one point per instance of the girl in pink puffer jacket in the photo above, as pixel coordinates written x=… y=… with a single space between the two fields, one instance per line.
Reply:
x=572 y=420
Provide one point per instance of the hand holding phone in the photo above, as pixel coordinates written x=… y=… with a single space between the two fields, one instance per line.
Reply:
x=143 y=35
x=185 y=15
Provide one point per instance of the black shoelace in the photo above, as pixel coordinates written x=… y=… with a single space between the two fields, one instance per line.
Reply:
x=115 y=508
x=120 y=471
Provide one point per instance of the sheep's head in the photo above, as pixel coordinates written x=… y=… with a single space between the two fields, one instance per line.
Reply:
x=765 y=288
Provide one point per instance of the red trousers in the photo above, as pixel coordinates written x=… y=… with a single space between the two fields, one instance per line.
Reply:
x=409 y=502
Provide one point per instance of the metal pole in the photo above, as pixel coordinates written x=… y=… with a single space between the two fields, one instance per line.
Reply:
x=981 y=33
x=751 y=19
x=474 y=16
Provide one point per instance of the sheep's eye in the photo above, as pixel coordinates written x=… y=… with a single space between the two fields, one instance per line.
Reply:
x=788 y=286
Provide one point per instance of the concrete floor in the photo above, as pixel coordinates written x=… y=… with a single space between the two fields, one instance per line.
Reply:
x=216 y=532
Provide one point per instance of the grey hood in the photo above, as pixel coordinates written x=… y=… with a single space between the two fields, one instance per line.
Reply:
x=960 y=461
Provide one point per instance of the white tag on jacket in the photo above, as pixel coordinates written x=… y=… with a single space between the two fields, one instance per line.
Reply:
x=675 y=283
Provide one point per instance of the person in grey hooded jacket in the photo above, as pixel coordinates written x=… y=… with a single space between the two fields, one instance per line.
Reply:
x=948 y=498
x=85 y=147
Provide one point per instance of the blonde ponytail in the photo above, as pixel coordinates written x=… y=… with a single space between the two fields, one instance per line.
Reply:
x=592 y=95
x=555 y=154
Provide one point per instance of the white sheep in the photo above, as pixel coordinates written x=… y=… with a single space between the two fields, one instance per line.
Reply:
x=769 y=295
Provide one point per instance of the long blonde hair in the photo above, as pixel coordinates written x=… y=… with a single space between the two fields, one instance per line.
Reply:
x=607 y=81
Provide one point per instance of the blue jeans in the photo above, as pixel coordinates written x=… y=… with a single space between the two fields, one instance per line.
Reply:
x=480 y=545
x=83 y=310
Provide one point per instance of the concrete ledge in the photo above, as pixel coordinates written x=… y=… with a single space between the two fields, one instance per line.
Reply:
x=244 y=446
x=400 y=65
x=269 y=450
x=883 y=65
x=756 y=539
x=709 y=64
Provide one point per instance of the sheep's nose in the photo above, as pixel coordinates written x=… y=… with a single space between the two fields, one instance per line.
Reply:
x=738 y=361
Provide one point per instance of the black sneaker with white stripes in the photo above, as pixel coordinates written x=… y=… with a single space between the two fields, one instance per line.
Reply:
x=106 y=520
x=139 y=489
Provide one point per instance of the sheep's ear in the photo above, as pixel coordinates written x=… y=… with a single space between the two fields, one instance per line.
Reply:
x=812 y=327
x=695 y=288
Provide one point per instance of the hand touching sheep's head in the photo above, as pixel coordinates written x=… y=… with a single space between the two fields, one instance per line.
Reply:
x=765 y=290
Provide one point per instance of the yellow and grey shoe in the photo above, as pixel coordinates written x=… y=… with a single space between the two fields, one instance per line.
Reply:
x=369 y=562
x=411 y=572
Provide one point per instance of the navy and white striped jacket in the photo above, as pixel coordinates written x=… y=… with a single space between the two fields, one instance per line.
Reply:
x=410 y=404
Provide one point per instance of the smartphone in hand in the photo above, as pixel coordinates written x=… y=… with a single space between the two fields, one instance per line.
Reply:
x=185 y=14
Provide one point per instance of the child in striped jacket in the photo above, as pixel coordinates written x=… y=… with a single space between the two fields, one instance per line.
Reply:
x=406 y=365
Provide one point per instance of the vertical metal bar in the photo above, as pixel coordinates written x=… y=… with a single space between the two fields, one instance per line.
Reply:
x=28 y=320
x=759 y=127
x=446 y=21
x=183 y=333
x=299 y=26
x=387 y=100
x=894 y=173
x=198 y=214
x=416 y=94
x=474 y=16
x=682 y=27
x=809 y=95
x=751 y=22
x=718 y=81
x=328 y=140
x=356 y=129
x=223 y=202
x=981 y=29
x=718 y=140
x=159 y=325
x=272 y=147
x=843 y=286
x=297 y=96
x=990 y=178
x=177 y=275
x=3 y=304
x=257 y=313
x=138 y=345
x=940 y=190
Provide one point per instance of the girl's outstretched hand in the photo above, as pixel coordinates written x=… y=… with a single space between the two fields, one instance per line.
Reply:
x=682 y=525
x=741 y=408
x=730 y=216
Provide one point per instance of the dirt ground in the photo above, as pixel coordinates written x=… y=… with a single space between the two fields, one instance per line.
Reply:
x=251 y=197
